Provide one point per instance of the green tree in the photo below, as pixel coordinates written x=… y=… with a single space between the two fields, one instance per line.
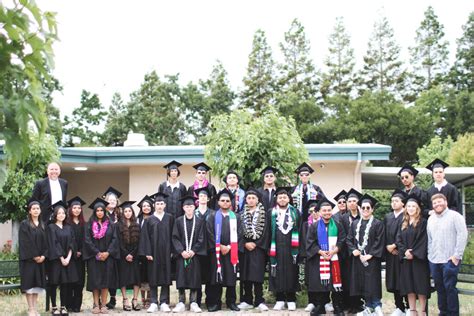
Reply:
x=429 y=56
x=382 y=70
x=85 y=121
x=462 y=151
x=436 y=148
x=118 y=124
x=431 y=104
x=251 y=143
x=458 y=115
x=259 y=82
x=462 y=73
x=26 y=61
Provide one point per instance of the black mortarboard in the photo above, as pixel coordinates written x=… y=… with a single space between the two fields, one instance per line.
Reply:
x=126 y=204
x=97 y=201
x=437 y=163
x=412 y=197
x=269 y=169
x=224 y=192
x=354 y=193
x=30 y=203
x=311 y=203
x=204 y=190
x=324 y=201
x=172 y=165
x=146 y=198
x=399 y=193
x=187 y=200
x=283 y=190
x=411 y=170
x=76 y=200
x=368 y=198
x=341 y=195
x=202 y=166
x=114 y=191
x=159 y=196
x=58 y=203
x=304 y=167
x=253 y=191
x=231 y=172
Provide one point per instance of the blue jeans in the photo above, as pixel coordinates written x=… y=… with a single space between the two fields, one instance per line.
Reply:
x=445 y=276
x=372 y=302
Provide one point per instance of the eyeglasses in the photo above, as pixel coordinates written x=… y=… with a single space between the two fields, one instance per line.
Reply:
x=366 y=208
x=269 y=176
x=405 y=177
x=341 y=202
x=224 y=201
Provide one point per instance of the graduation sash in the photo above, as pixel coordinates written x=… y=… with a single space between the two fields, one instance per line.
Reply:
x=234 y=257
x=297 y=195
x=329 y=267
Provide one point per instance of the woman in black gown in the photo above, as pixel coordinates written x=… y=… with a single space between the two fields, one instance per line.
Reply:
x=33 y=249
x=146 y=209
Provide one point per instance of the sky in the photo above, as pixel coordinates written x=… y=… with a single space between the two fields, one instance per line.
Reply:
x=108 y=46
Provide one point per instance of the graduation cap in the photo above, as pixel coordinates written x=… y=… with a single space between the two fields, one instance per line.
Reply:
x=231 y=172
x=59 y=203
x=172 y=165
x=412 y=197
x=325 y=202
x=126 y=204
x=203 y=190
x=224 y=192
x=159 y=197
x=283 y=190
x=269 y=169
x=304 y=167
x=76 y=201
x=341 y=195
x=407 y=168
x=354 y=194
x=202 y=166
x=311 y=203
x=253 y=191
x=146 y=198
x=98 y=202
x=400 y=194
x=187 y=200
x=367 y=198
x=114 y=191
x=437 y=163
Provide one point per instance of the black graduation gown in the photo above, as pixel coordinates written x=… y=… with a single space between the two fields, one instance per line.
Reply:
x=338 y=216
x=141 y=259
x=422 y=195
x=155 y=241
x=252 y=263
x=173 y=203
x=32 y=242
x=268 y=200
x=451 y=193
x=344 y=256
x=414 y=274
x=229 y=276
x=101 y=274
x=129 y=272
x=212 y=192
x=78 y=232
x=312 y=257
x=367 y=281
x=203 y=258
x=286 y=277
x=189 y=277
x=321 y=195
x=60 y=242
x=392 y=262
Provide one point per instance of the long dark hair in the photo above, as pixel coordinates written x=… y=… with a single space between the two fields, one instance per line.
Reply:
x=55 y=214
x=70 y=217
x=94 y=216
x=129 y=234
x=30 y=219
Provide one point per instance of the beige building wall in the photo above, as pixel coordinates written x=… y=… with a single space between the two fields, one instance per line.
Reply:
x=5 y=233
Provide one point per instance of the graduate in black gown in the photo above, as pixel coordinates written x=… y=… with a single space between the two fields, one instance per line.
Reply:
x=101 y=252
x=173 y=189
x=188 y=242
x=366 y=243
x=407 y=175
x=201 y=181
x=33 y=250
x=146 y=206
x=267 y=191
x=224 y=236
x=75 y=220
x=440 y=185
x=232 y=183
x=202 y=212
x=62 y=269
x=284 y=248
x=128 y=231
x=341 y=206
x=156 y=246
x=412 y=242
x=323 y=243
x=256 y=241
x=392 y=223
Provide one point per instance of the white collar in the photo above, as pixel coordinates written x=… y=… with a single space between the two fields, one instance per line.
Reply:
x=169 y=184
x=442 y=184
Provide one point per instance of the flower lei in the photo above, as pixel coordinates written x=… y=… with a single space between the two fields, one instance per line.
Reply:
x=254 y=225
x=366 y=233
x=99 y=233
x=190 y=240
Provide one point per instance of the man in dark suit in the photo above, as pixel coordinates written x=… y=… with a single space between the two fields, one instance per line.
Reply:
x=50 y=190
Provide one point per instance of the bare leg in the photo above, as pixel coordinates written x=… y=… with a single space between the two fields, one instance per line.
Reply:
x=103 y=295
x=136 y=289
x=412 y=301
x=95 y=295
x=422 y=299
x=124 y=292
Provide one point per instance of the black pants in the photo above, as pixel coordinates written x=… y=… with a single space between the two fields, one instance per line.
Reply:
x=355 y=302
x=215 y=295
x=112 y=292
x=199 y=295
x=164 y=295
x=62 y=294
x=322 y=298
x=248 y=293
x=192 y=295
x=286 y=296
x=74 y=295
x=401 y=302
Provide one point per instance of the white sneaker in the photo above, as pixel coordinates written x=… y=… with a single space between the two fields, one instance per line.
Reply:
x=309 y=308
x=398 y=312
x=179 y=308
x=329 y=308
x=291 y=306
x=279 y=305
x=262 y=307
x=245 y=305
x=165 y=308
x=365 y=312
x=378 y=311
x=194 y=307
x=153 y=308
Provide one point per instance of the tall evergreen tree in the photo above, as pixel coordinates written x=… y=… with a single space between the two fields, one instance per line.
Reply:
x=259 y=82
x=382 y=70
x=429 y=56
x=118 y=124
x=462 y=73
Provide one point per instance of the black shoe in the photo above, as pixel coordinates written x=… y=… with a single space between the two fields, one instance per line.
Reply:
x=213 y=308
x=111 y=304
x=233 y=307
x=318 y=310
x=76 y=310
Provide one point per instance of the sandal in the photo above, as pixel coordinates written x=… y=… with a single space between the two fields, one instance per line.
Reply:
x=135 y=305
x=64 y=311
x=146 y=302
x=55 y=311
x=96 y=309
x=104 y=310
x=126 y=306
